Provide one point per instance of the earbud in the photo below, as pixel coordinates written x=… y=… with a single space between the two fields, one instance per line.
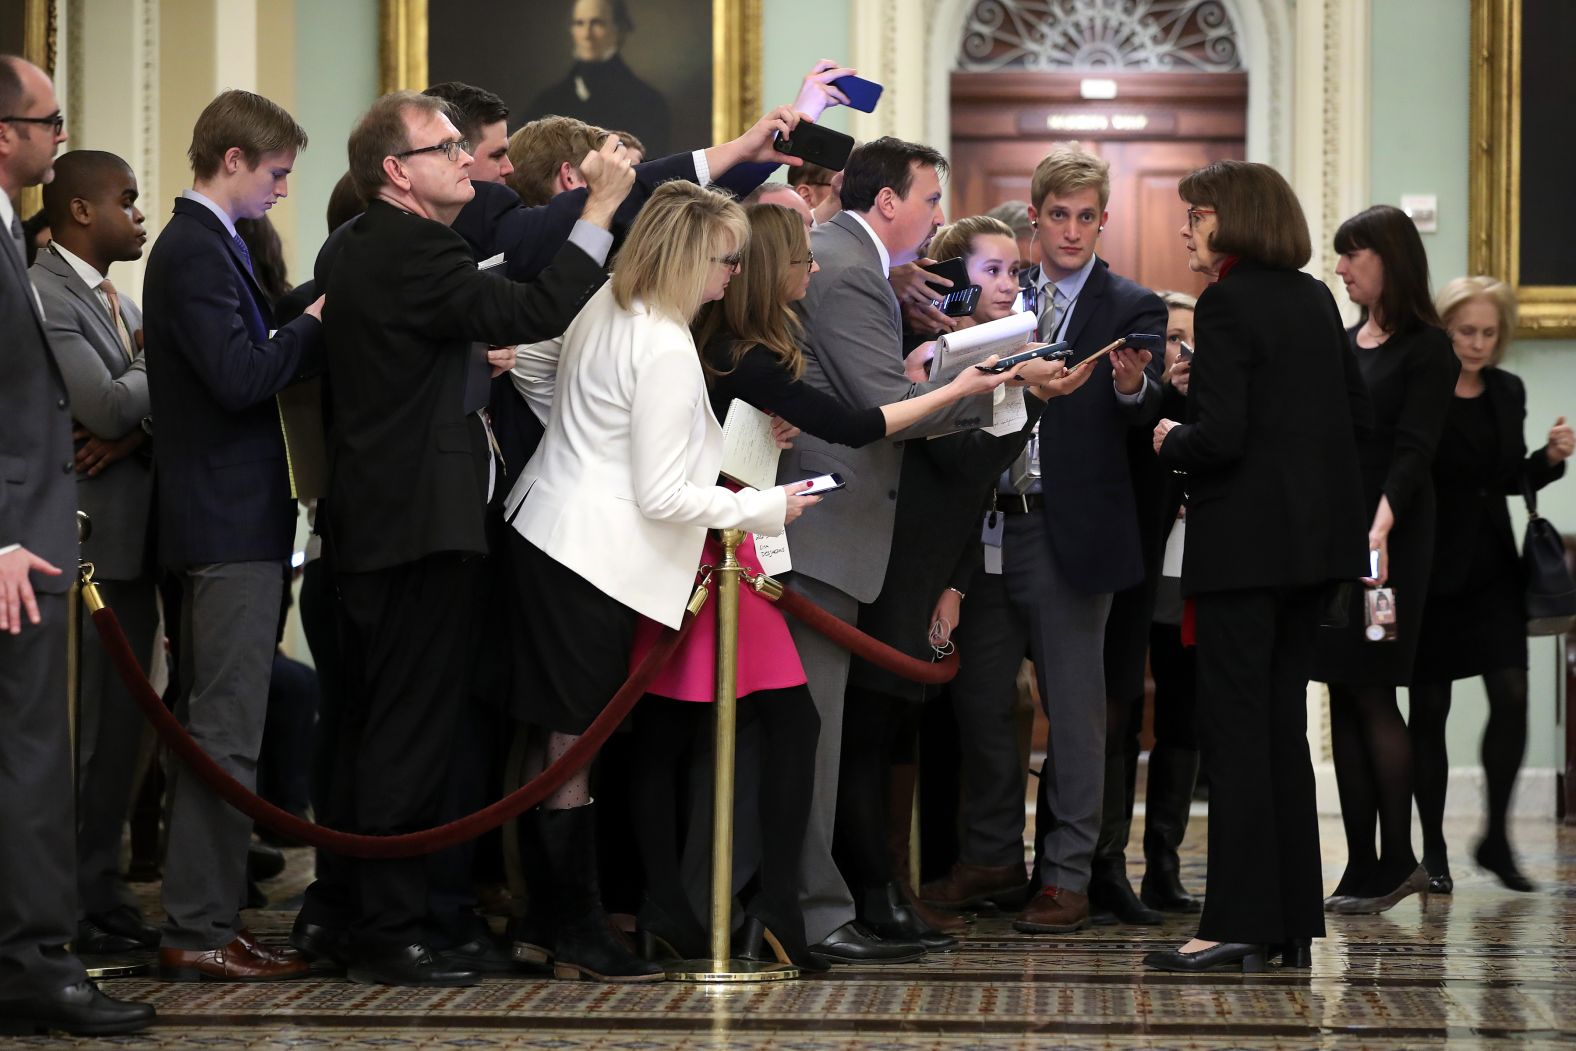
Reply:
x=1034 y=224
x=1101 y=230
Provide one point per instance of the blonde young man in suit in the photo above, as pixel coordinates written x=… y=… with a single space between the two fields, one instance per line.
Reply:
x=95 y=333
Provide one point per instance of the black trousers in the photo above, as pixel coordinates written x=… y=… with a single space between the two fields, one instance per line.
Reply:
x=405 y=639
x=1255 y=653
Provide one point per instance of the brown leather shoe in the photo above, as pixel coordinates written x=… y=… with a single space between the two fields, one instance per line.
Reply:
x=281 y=953
x=243 y=960
x=1054 y=911
x=943 y=921
x=969 y=885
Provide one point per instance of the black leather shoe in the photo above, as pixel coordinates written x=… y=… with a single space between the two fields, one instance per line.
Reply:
x=93 y=940
x=1113 y=894
x=482 y=955
x=853 y=943
x=79 y=1009
x=1162 y=889
x=264 y=862
x=1496 y=857
x=1250 y=958
x=317 y=942
x=126 y=923
x=412 y=965
x=884 y=912
x=1297 y=953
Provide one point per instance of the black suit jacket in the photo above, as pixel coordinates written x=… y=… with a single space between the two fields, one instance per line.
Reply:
x=1471 y=518
x=407 y=464
x=38 y=478
x=1090 y=515
x=1270 y=447
x=220 y=478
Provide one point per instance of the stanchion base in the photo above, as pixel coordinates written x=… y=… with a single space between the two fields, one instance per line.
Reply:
x=705 y=971
x=110 y=966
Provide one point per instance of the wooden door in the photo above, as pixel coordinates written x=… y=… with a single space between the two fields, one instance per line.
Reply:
x=1159 y=127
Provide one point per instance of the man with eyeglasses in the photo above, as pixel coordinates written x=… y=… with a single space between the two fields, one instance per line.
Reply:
x=42 y=984
x=410 y=474
x=1061 y=540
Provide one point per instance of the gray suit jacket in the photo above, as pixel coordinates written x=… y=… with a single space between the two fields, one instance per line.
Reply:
x=854 y=351
x=109 y=396
x=38 y=486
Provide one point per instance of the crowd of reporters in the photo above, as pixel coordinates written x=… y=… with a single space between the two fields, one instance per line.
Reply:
x=502 y=539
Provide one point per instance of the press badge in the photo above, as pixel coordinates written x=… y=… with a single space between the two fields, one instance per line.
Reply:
x=991 y=536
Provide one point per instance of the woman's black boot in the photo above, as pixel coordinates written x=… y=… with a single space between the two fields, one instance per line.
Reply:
x=585 y=944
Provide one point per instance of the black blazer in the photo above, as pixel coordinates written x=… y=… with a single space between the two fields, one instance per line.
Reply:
x=1090 y=516
x=1270 y=447
x=407 y=464
x=220 y=479
x=1470 y=518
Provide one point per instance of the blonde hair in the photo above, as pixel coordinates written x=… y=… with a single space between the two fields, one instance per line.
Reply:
x=539 y=148
x=667 y=258
x=755 y=308
x=1067 y=169
x=1178 y=300
x=1458 y=293
x=957 y=239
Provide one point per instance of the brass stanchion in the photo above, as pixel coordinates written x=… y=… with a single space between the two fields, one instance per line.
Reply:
x=721 y=968
x=83 y=592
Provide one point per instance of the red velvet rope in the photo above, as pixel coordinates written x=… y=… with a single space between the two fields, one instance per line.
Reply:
x=428 y=841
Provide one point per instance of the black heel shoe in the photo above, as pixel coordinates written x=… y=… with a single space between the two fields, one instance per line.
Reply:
x=758 y=943
x=1250 y=958
x=1297 y=953
x=1497 y=858
x=1416 y=883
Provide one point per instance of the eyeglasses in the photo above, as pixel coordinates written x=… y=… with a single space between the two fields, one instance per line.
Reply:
x=450 y=150
x=732 y=262
x=810 y=260
x=1195 y=214
x=56 y=120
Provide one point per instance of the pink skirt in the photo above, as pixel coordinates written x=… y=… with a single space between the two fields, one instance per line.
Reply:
x=768 y=659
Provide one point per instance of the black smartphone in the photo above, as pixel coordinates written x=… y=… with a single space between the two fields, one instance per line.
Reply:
x=818 y=145
x=824 y=483
x=953 y=270
x=1185 y=352
x=962 y=302
x=1051 y=351
x=1145 y=341
x=862 y=94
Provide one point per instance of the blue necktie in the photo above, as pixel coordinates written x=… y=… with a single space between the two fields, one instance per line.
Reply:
x=240 y=246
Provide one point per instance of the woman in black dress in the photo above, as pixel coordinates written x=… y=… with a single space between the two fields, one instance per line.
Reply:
x=1475 y=623
x=1410 y=369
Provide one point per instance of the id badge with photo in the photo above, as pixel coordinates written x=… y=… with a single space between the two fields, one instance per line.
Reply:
x=1379 y=615
x=991 y=537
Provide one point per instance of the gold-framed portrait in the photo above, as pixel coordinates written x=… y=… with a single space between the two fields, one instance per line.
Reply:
x=1521 y=210
x=677 y=74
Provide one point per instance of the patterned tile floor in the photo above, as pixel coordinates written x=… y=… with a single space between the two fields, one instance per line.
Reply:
x=1485 y=968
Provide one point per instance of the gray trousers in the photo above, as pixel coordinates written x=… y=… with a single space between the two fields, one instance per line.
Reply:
x=823 y=892
x=1031 y=610
x=109 y=738
x=229 y=621
x=37 y=855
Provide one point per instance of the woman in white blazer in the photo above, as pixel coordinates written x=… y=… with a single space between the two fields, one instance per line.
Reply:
x=609 y=519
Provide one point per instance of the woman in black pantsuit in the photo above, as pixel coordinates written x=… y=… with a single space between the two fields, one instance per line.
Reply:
x=1274 y=517
x=1409 y=370
x=1475 y=620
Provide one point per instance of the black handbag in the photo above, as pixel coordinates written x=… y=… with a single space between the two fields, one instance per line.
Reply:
x=1551 y=593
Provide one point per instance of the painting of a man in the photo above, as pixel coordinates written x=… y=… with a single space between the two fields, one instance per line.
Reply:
x=599 y=87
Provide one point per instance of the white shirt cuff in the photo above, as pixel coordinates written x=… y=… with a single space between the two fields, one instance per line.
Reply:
x=1128 y=399
x=9 y=548
x=702 y=169
x=593 y=240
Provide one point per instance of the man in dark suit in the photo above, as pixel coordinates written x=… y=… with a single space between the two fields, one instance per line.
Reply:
x=226 y=512
x=1064 y=539
x=96 y=335
x=42 y=985
x=410 y=477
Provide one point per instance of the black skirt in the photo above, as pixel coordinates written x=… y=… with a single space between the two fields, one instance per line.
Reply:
x=1476 y=631
x=574 y=644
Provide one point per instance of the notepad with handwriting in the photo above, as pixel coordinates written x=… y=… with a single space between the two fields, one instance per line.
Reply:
x=749 y=453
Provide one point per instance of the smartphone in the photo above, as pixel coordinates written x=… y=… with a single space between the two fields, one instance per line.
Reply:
x=822 y=484
x=954 y=270
x=818 y=145
x=1145 y=341
x=1186 y=353
x=962 y=302
x=1053 y=351
x=862 y=94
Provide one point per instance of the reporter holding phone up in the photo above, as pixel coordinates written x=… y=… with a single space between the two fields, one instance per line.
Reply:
x=751 y=342
x=1275 y=518
x=611 y=514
